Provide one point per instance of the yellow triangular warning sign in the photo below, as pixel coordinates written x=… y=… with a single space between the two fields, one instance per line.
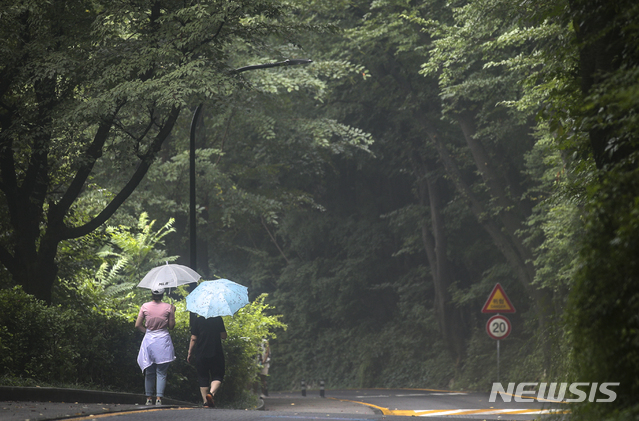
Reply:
x=498 y=302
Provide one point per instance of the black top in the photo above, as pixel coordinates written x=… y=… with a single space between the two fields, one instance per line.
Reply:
x=207 y=332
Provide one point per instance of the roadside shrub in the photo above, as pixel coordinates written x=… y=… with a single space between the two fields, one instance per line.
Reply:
x=98 y=349
x=63 y=345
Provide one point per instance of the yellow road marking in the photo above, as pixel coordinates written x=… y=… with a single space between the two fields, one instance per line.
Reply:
x=443 y=412
x=385 y=411
x=406 y=413
x=426 y=390
x=457 y=412
x=113 y=414
x=532 y=398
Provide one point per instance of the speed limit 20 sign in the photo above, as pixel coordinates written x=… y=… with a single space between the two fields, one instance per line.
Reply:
x=498 y=327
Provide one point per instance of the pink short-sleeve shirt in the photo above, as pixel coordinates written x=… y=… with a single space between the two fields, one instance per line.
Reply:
x=157 y=315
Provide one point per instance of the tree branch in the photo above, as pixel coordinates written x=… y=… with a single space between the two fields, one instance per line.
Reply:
x=133 y=182
x=501 y=240
x=93 y=152
x=274 y=240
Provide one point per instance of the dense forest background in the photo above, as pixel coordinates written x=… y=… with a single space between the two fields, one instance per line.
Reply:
x=376 y=196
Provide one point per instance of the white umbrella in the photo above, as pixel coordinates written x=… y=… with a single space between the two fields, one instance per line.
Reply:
x=169 y=276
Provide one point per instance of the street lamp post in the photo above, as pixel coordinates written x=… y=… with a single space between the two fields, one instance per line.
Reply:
x=196 y=117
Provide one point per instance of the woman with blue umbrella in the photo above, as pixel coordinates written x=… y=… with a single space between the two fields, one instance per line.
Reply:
x=205 y=351
x=210 y=301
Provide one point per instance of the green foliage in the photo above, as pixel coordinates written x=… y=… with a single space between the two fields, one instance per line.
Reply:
x=121 y=257
x=246 y=329
x=65 y=345
x=603 y=307
x=336 y=263
x=89 y=85
x=601 y=131
x=130 y=254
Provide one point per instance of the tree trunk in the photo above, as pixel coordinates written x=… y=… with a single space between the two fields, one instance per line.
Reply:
x=436 y=245
x=511 y=218
x=32 y=260
x=507 y=211
x=37 y=272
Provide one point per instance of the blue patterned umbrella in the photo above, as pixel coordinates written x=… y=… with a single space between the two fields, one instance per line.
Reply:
x=217 y=298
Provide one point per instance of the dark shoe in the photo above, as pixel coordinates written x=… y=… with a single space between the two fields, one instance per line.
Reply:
x=210 y=403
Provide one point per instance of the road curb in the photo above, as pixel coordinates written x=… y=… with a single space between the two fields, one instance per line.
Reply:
x=51 y=394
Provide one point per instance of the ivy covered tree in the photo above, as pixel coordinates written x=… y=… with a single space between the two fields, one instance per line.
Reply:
x=603 y=305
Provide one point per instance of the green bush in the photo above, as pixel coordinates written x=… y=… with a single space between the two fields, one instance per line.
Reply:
x=60 y=346
x=63 y=346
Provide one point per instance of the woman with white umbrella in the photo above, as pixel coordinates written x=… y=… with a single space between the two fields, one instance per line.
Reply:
x=156 y=351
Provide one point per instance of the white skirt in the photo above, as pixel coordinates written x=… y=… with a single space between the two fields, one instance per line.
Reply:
x=156 y=348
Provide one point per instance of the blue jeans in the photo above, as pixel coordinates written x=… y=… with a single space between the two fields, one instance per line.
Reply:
x=155 y=379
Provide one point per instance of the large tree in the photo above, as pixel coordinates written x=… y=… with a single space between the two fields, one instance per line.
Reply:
x=605 y=297
x=83 y=81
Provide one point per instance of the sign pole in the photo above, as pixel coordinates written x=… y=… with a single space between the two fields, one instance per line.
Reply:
x=498 y=326
x=498 y=367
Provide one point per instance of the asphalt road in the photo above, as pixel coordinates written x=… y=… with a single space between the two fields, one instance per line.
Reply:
x=448 y=404
x=338 y=405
